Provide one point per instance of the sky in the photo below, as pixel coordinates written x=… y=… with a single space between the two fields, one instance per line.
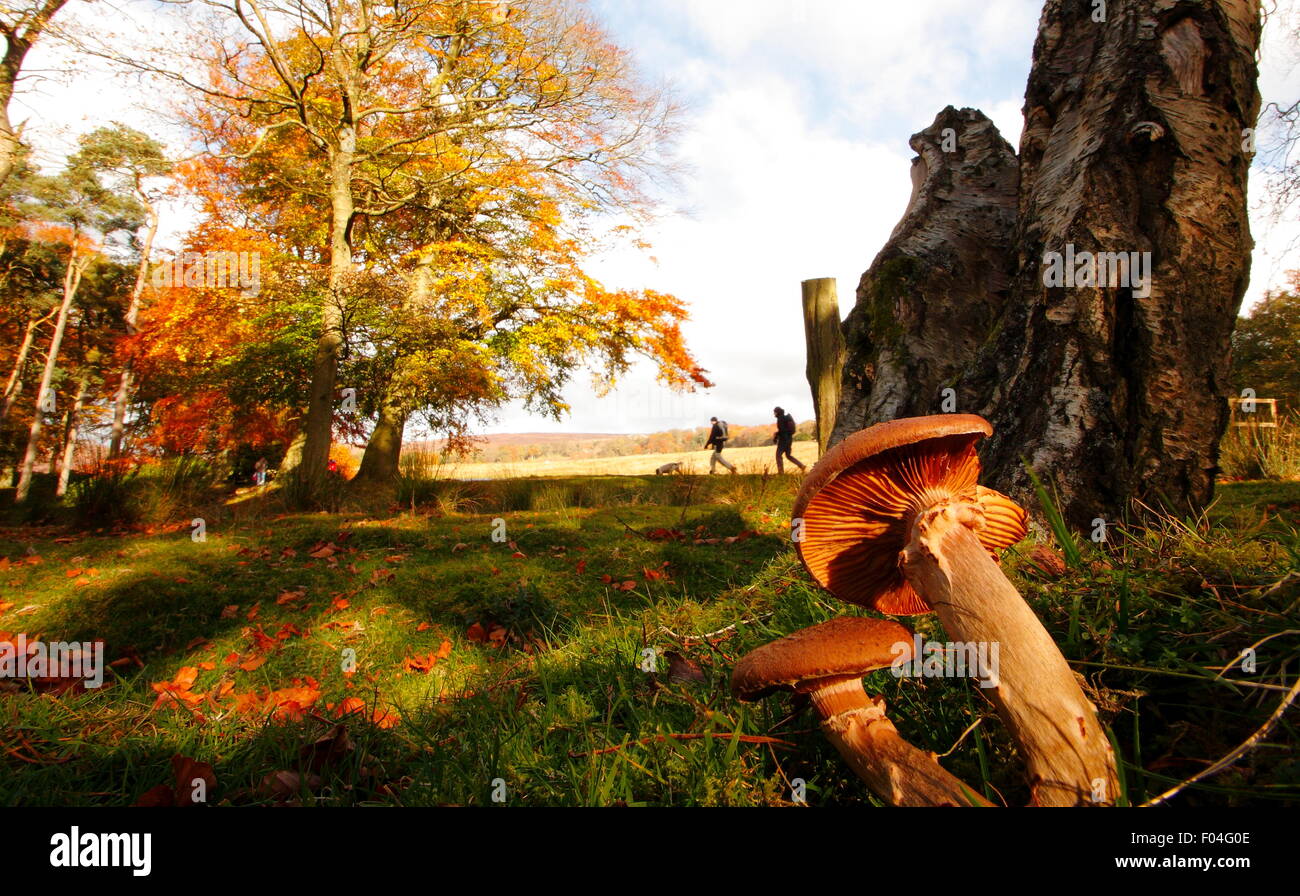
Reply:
x=796 y=165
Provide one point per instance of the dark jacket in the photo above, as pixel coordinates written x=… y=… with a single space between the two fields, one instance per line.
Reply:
x=785 y=429
x=716 y=440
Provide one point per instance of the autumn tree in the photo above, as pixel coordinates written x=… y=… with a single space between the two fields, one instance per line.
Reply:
x=78 y=210
x=380 y=135
x=128 y=163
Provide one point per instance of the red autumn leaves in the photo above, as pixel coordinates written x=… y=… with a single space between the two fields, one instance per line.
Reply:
x=289 y=703
x=425 y=663
x=628 y=584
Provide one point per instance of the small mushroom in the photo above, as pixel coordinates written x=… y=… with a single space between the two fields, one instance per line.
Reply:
x=893 y=518
x=827 y=663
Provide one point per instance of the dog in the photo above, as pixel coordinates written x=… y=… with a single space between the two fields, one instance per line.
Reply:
x=668 y=468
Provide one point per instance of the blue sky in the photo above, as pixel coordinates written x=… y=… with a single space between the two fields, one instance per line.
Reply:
x=795 y=142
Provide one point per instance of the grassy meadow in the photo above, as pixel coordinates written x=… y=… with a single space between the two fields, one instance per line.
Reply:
x=756 y=461
x=400 y=655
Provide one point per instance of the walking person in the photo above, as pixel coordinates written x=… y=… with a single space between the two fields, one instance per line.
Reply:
x=717 y=441
x=784 y=438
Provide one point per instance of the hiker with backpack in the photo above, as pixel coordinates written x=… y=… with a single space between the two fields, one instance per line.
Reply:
x=717 y=441
x=784 y=438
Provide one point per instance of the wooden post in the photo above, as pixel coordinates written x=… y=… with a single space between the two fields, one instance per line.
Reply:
x=821 y=326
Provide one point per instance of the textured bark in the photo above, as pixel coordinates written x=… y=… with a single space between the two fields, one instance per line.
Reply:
x=930 y=297
x=825 y=340
x=1133 y=143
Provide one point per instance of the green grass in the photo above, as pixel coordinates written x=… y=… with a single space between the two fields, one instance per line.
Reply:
x=563 y=712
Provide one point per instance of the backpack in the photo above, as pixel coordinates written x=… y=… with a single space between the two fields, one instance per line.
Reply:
x=787 y=425
x=722 y=428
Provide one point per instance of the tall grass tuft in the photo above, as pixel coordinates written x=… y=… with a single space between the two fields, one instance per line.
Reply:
x=1064 y=537
x=1257 y=452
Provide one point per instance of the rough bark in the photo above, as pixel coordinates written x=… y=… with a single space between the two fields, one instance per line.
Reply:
x=931 y=295
x=1133 y=142
x=825 y=341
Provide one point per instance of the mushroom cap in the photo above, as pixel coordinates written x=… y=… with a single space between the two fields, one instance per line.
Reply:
x=859 y=501
x=844 y=647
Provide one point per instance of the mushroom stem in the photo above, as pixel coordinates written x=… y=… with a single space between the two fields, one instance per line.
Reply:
x=892 y=768
x=1069 y=758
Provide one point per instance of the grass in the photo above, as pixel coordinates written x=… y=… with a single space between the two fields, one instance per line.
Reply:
x=754 y=460
x=1262 y=452
x=517 y=668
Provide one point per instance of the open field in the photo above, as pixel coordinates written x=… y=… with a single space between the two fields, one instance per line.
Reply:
x=381 y=657
x=746 y=460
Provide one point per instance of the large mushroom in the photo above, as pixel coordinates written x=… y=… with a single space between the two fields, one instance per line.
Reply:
x=893 y=518
x=827 y=663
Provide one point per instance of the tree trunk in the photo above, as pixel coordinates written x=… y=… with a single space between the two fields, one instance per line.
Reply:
x=308 y=456
x=825 y=340
x=1106 y=372
x=68 y=452
x=379 y=463
x=927 y=302
x=14 y=385
x=71 y=281
x=1133 y=143
x=123 y=395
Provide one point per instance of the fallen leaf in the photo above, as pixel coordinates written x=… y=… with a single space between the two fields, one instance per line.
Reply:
x=327 y=749
x=682 y=669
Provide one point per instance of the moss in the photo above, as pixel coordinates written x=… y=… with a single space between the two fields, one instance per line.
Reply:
x=889 y=284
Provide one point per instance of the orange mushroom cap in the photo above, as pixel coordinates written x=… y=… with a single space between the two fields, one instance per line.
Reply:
x=842 y=648
x=858 y=504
